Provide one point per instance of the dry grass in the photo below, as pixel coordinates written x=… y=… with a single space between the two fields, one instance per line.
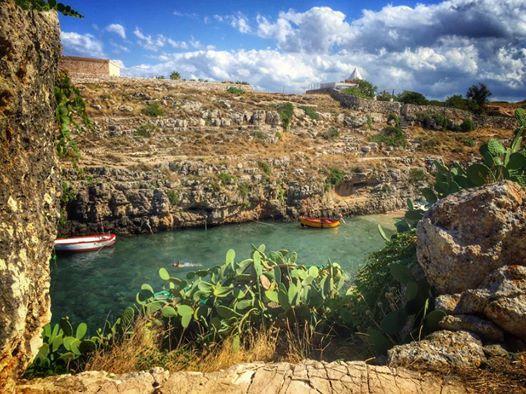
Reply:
x=141 y=350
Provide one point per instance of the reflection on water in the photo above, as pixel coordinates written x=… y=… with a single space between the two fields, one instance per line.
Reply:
x=93 y=286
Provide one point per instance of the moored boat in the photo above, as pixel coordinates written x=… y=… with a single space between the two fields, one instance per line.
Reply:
x=87 y=243
x=320 y=222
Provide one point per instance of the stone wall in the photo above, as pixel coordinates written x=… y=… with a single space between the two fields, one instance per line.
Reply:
x=415 y=113
x=29 y=51
x=382 y=107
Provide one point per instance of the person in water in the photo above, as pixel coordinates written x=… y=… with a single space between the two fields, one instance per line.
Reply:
x=176 y=264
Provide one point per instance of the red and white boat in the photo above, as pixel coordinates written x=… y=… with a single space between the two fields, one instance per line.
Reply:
x=87 y=243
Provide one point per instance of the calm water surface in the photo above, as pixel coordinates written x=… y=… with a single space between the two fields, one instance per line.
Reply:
x=94 y=286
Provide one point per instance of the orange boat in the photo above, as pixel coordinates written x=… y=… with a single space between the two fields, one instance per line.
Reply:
x=320 y=223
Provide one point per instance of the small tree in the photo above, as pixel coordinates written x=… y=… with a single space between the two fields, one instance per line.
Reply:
x=365 y=89
x=409 y=97
x=478 y=93
x=175 y=76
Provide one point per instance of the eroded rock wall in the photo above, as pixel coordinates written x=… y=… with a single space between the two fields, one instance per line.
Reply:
x=29 y=50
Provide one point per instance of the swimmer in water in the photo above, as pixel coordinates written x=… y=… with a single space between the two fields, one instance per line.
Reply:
x=176 y=264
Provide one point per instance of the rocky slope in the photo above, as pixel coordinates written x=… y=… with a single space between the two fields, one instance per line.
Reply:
x=167 y=154
x=29 y=50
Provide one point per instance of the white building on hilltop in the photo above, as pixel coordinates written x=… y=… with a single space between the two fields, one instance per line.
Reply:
x=350 y=82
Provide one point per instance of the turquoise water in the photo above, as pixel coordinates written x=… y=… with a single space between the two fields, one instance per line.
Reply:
x=95 y=286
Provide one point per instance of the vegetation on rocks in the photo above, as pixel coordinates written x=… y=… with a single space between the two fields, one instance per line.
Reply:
x=153 y=110
x=235 y=90
x=286 y=111
x=365 y=89
x=391 y=136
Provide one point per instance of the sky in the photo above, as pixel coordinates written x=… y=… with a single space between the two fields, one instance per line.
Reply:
x=438 y=48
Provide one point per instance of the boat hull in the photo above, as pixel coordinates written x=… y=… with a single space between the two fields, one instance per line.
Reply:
x=87 y=243
x=319 y=223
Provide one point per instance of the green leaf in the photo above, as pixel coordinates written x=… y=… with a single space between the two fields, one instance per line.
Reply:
x=82 y=328
x=147 y=287
x=495 y=148
x=243 y=304
x=230 y=257
x=394 y=321
x=226 y=312
x=382 y=233
x=163 y=273
x=478 y=174
x=87 y=346
x=517 y=161
x=314 y=271
x=272 y=295
x=378 y=340
x=429 y=195
x=169 y=311
x=65 y=325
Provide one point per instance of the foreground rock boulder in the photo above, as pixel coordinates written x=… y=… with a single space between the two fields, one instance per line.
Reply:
x=29 y=50
x=441 y=351
x=307 y=377
x=467 y=235
x=501 y=299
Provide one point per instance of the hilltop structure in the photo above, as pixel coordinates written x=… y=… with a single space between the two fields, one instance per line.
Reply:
x=89 y=67
x=350 y=82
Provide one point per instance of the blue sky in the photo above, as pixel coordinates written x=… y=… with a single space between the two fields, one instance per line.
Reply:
x=439 y=48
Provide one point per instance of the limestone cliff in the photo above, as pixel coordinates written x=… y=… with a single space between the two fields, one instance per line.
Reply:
x=29 y=50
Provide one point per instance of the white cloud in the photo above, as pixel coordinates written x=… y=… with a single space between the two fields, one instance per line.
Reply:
x=117 y=29
x=81 y=44
x=437 y=49
x=157 y=42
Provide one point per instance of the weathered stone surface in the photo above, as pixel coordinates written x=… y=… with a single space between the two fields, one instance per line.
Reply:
x=467 y=235
x=440 y=351
x=29 y=50
x=484 y=328
x=308 y=377
x=501 y=298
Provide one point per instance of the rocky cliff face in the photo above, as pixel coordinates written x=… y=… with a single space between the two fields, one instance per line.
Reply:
x=29 y=50
x=167 y=154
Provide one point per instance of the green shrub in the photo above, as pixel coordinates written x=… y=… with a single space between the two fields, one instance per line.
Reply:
x=459 y=102
x=310 y=112
x=331 y=133
x=153 y=110
x=393 y=117
x=365 y=89
x=173 y=197
x=66 y=349
x=391 y=136
x=265 y=167
x=467 y=125
x=238 y=297
x=175 y=76
x=417 y=175
x=225 y=178
x=468 y=141
x=409 y=97
x=390 y=299
x=145 y=130
x=286 y=111
x=335 y=176
x=385 y=96
x=235 y=90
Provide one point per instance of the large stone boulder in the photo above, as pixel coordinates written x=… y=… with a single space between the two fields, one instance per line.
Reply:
x=467 y=235
x=441 y=351
x=501 y=299
x=29 y=51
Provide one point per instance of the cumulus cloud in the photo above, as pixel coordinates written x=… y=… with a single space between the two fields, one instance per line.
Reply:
x=117 y=29
x=438 y=49
x=81 y=44
x=157 y=42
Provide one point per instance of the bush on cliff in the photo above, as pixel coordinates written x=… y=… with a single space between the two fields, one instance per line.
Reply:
x=365 y=89
x=409 y=97
x=391 y=136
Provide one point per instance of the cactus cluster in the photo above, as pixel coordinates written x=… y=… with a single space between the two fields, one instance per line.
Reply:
x=229 y=299
x=66 y=349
